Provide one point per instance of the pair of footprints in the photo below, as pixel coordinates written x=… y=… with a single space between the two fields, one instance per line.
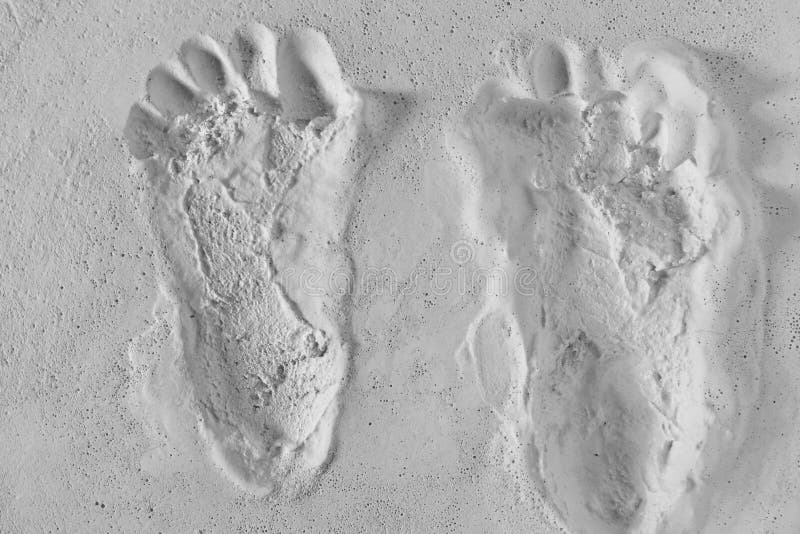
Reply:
x=603 y=191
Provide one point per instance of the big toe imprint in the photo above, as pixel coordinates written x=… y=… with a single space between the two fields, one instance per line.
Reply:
x=607 y=191
x=246 y=154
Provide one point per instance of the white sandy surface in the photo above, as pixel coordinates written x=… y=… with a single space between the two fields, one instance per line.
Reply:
x=418 y=445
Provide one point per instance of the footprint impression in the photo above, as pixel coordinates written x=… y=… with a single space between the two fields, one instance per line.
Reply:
x=616 y=193
x=247 y=154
